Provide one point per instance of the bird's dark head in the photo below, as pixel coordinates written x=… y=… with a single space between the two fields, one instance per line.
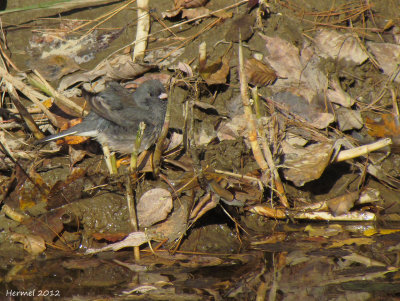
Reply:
x=153 y=88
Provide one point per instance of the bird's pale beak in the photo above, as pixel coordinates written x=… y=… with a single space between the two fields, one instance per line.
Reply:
x=163 y=96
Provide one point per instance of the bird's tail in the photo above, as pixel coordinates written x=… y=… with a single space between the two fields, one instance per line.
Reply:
x=69 y=132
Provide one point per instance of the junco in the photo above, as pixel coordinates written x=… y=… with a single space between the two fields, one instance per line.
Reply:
x=116 y=114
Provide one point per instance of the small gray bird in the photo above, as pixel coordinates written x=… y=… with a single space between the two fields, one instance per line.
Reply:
x=116 y=114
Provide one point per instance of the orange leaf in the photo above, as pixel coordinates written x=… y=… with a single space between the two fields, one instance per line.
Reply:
x=72 y=140
x=388 y=126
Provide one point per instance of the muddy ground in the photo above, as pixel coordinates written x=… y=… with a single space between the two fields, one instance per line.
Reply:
x=228 y=233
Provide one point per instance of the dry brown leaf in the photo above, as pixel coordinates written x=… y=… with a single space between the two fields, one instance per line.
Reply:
x=323 y=231
x=243 y=24
x=54 y=67
x=33 y=244
x=76 y=155
x=298 y=105
x=349 y=119
x=111 y=237
x=27 y=192
x=297 y=69
x=176 y=223
x=268 y=211
x=259 y=73
x=134 y=239
x=189 y=3
x=171 y=13
x=337 y=95
x=271 y=239
x=223 y=14
x=162 y=77
x=309 y=164
x=121 y=67
x=117 y=68
x=185 y=68
x=387 y=55
x=154 y=206
x=205 y=204
x=175 y=140
x=350 y=241
x=233 y=129
x=69 y=189
x=217 y=72
x=192 y=13
x=340 y=46
x=388 y=126
x=342 y=204
x=283 y=57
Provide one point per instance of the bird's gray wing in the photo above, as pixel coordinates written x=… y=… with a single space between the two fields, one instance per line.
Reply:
x=112 y=103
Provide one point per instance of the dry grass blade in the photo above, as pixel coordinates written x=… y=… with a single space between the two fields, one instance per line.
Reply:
x=29 y=92
x=41 y=82
x=61 y=4
x=24 y=112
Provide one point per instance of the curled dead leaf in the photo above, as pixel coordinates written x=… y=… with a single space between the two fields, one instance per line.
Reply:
x=154 y=206
x=54 y=67
x=342 y=204
x=189 y=3
x=185 y=68
x=259 y=73
x=386 y=126
x=268 y=211
x=171 y=13
x=387 y=55
x=299 y=106
x=33 y=244
x=308 y=164
x=217 y=72
x=340 y=46
x=117 y=68
x=192 y=13
x=244 y=25
x=132 y=240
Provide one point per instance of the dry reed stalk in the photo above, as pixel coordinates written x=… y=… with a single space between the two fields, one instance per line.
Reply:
x=24 y=112
x=57 y=95
x=252 y=136
x=185 y=22
x=28 y=92
x=142 y=30
x=362 y=150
